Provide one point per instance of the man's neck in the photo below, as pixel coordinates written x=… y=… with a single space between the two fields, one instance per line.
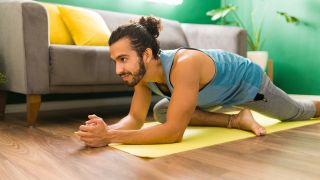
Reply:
x=155 y=72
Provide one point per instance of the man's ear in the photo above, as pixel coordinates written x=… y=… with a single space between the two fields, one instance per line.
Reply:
x=147 y=55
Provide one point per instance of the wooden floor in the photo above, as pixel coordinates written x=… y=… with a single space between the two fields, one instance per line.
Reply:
x=52 y=151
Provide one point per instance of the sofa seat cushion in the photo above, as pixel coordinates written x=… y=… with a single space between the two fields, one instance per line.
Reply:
x=81 y=65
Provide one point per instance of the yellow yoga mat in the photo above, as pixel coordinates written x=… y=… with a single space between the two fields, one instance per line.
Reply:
x=198 y=137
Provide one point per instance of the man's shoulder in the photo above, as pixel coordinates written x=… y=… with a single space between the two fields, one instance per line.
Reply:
x=186 y=58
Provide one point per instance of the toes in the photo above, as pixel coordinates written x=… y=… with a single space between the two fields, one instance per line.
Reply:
x=259 y=131
x=263 y=131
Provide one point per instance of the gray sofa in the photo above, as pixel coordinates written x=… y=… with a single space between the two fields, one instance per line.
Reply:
x=35 y=67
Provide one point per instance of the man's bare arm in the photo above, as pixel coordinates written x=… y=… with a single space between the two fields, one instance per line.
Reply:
x=138 y=110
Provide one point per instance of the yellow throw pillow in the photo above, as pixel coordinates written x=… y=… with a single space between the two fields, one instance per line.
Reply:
x=59 y=34
x=87 y=27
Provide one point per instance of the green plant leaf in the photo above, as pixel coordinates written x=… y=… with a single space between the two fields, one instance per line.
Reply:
x=262 y=43
x=258 y=38
x=237 y=18
x=257 y=41
x=3 y=79
x=221 y=12
x=289 y=19
x=250 y=42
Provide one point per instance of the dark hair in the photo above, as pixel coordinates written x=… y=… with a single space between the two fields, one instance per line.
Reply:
x=142 y=34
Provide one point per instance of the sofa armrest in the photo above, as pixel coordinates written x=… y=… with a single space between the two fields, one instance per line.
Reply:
x=206 y=36
x=24 y=41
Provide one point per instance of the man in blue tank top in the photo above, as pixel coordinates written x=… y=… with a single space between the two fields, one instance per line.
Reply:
x=194 y=84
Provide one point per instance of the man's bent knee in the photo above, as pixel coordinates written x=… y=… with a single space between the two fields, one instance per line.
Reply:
x=160 y=110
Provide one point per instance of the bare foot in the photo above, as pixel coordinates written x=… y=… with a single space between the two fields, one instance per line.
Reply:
x=317 y=104
x=245 y=121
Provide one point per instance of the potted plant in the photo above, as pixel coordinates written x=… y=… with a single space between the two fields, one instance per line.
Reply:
x=255 y=42
x=3 y=79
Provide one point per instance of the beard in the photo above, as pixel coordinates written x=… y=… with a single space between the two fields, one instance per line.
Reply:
x=136 y=77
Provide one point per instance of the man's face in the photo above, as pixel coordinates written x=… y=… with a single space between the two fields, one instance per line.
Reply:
x=129 y=66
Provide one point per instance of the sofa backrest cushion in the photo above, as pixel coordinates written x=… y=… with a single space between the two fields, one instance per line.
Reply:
x=86 y=26
x=81 y=65
x=171 y=37
x=207 y=36
x=59 y=33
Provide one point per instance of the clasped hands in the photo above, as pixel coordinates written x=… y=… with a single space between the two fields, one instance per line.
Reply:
x=95 y=132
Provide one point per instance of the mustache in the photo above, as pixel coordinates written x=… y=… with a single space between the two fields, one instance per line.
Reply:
x=124 y=74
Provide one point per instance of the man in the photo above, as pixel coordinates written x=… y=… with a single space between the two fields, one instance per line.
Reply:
x=194 y=83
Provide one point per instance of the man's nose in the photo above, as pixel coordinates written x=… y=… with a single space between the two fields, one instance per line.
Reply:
x=119 y=68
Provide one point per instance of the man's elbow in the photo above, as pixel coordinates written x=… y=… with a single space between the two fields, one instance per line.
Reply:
x=176 y=137
x=139 y=124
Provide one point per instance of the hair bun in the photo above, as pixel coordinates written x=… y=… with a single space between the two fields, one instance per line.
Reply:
x=152 y=24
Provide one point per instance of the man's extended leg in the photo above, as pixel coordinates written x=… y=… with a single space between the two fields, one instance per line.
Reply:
x=277 y=104
x=244 y=120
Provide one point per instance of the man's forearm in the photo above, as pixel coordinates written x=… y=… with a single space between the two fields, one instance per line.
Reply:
x=152 y=135
x=127 y=123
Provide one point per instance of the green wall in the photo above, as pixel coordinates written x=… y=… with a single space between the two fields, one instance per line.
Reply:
x=190 y=11
x=294 y=49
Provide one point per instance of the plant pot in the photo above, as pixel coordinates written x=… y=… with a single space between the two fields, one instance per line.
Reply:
x=258 y=57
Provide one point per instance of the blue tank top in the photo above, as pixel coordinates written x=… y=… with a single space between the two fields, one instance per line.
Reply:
x=236 y=81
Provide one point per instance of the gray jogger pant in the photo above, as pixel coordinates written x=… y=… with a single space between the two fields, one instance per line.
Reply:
x=275 y=104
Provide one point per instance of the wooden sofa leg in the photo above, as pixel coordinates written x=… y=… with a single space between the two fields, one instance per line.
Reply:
x=3 y=100
x=33 y=107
